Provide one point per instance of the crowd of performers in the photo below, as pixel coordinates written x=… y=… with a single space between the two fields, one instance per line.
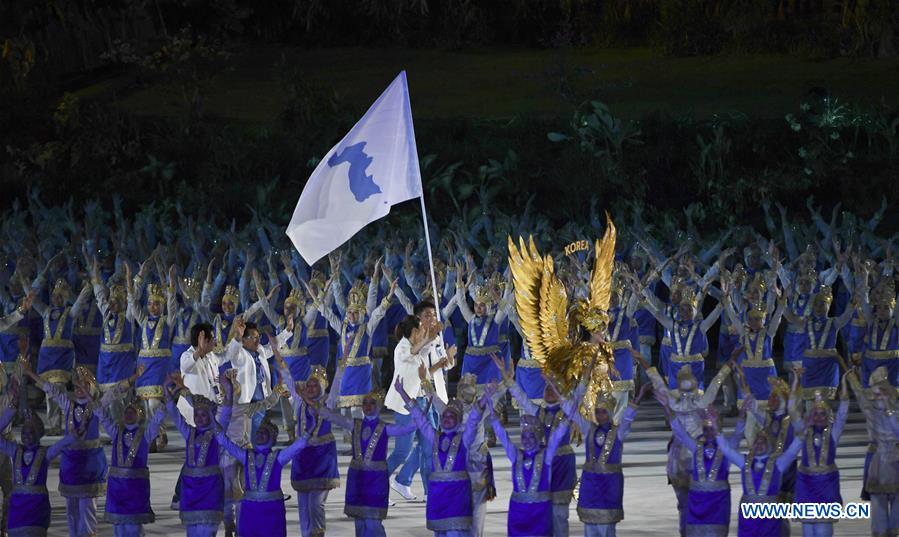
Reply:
x=123 y=326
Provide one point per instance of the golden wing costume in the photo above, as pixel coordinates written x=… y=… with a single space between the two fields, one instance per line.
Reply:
x=543 y=310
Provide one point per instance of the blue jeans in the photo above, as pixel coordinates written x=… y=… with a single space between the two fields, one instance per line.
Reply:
x=412 y=458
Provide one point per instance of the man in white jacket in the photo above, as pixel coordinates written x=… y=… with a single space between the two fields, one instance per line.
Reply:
x=250 y=359
x=200 y=367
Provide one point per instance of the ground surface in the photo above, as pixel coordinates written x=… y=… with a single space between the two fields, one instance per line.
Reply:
x=505 y=83
x=648 y=502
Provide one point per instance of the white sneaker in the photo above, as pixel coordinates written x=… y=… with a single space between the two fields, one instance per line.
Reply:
x=403 y=490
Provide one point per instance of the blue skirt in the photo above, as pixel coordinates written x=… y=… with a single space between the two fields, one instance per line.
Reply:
x=818 y=488
x=444 y=511
x=530 y=519
x=315 y=468
x=156 y=369
x=128 y=501
x=114 y=367
x=202 y=498
x=795 y=345
x=482 y=367
x=262 y=518
x=708 y=507
x=355 y=384
x=366 y=493
x=28 y=511
x=82 y=473
x=531 y=381
x=299 y=367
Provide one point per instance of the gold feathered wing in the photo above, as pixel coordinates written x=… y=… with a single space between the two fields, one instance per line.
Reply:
x=541 y=302
x=603 y=265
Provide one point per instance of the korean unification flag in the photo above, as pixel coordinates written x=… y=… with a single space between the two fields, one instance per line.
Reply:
x=374 y=167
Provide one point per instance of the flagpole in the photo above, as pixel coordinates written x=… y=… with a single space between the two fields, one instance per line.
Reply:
x=424 y=218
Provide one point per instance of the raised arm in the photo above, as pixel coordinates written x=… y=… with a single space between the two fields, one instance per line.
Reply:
x=339 y=419
x=287 y=454
x=233 y=449
x=711 y=319
x=503 y=437
x=424 y=426
x=708 y=397
x=789 y=455
x=733 y=456
x=82 y=301
x=56 y=449
x=464 y=309
x=155 y=421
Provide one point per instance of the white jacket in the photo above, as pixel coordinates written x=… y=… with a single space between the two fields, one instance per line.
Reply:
x=405 y=365
x=200 y=376
x=243 y=362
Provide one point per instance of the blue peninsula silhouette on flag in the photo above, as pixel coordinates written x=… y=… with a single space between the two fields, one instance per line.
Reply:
x=362 y=185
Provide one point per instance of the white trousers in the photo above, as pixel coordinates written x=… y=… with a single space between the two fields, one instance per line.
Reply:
x=202 y=530
x=81 y=514
x=311 y=507
x=884 y=514
x=128 y=530
x=817 y=529
x=370 y=527
x=599 y=530
x=560 y=517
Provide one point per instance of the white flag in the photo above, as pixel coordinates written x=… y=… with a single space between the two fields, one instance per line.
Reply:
x=374 y=167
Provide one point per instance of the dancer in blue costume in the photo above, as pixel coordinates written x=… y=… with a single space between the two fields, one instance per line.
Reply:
x=15 y=318
x=761 y=473
x=563 y=475
x=294 y=351
x=56 y=357
x=708 y=502
x=314 y=471
x=188 y=315
x=128 y=488
x=361 y=318
x=818 y=478
x=755 y=354
x=29 y=503
x=820 y=360
x=83 y=467
x=449 y=479
x=530 y=506
x=117 y=360
x=882 y=331
x=367 y=489
x=202 y=498
x=155 y=330
x=777 y=424
x=600 y=504
x=797 y=312
x=687 y=403
x=688 y=329
x=13 y=327
x=262 y=509
x=485 y=326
